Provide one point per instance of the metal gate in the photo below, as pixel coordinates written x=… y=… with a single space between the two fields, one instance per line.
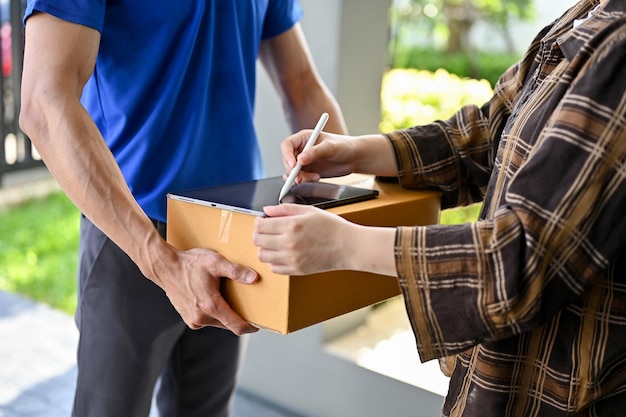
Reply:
x=16 y=151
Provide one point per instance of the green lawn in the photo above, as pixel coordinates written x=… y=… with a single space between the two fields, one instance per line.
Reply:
x=460 y=215
x=38 y=250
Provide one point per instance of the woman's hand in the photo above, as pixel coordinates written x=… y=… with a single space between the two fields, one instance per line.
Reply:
x=338 y=155
x=332 y=155
x=301 y=240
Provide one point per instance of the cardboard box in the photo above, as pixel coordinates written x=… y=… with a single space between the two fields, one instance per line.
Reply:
x=288 y=303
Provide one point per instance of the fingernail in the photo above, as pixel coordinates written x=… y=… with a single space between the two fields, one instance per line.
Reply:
x=250 y=277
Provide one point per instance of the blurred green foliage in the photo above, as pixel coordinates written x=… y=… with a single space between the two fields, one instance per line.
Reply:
x=412 y=97
x=480 y=65
x=433 y=34
x=447 y=24
x=38 y=250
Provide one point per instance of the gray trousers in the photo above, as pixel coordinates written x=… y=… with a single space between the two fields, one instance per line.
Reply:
x=131 y=336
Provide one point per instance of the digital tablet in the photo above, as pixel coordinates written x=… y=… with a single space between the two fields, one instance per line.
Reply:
x=251 y=196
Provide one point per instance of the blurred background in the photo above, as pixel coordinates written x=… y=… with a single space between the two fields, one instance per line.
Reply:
x=391 y=64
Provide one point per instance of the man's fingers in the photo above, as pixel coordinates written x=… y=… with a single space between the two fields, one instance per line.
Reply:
x=220 y=315
x=236 y=272
x=227 y=318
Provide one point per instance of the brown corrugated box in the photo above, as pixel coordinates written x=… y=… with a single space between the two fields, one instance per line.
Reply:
x=288 y=303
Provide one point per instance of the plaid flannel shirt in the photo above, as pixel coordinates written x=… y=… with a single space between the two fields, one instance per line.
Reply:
x=531 y=298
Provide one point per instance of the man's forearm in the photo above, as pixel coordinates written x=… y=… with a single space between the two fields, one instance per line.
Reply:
x=78 y=158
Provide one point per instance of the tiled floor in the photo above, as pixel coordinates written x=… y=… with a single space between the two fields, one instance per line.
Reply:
x=37 y=354
x=38 y=370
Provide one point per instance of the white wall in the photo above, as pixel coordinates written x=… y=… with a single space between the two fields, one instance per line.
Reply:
x=347 y=40
x=271 y=124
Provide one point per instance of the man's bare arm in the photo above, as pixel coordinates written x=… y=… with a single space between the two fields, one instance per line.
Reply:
x=59 y=58
x=289 y=64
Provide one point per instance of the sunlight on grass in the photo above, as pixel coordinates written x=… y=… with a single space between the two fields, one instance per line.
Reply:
x=460 y=215
x=411 y=97
x=38 y=251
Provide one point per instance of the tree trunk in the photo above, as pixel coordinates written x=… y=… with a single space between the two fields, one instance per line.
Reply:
x=460 y=18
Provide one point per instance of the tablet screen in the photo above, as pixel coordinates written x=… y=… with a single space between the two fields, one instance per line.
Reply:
x=251 y=196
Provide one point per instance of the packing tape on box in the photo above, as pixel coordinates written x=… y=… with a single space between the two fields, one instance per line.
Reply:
x=225 y=223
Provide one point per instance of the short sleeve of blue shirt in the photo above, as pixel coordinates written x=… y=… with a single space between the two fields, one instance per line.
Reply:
x=276 y=21
x=85 y=12
x=173 y=87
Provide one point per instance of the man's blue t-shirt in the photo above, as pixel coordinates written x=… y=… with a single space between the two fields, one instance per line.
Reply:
x=173 y=87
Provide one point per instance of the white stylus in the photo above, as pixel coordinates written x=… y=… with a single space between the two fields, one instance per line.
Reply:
x=296 y=170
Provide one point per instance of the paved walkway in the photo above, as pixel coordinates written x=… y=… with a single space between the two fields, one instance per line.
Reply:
x=38 y=368
x=37 y=371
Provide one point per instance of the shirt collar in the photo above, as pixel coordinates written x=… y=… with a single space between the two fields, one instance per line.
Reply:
x=572 y=39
